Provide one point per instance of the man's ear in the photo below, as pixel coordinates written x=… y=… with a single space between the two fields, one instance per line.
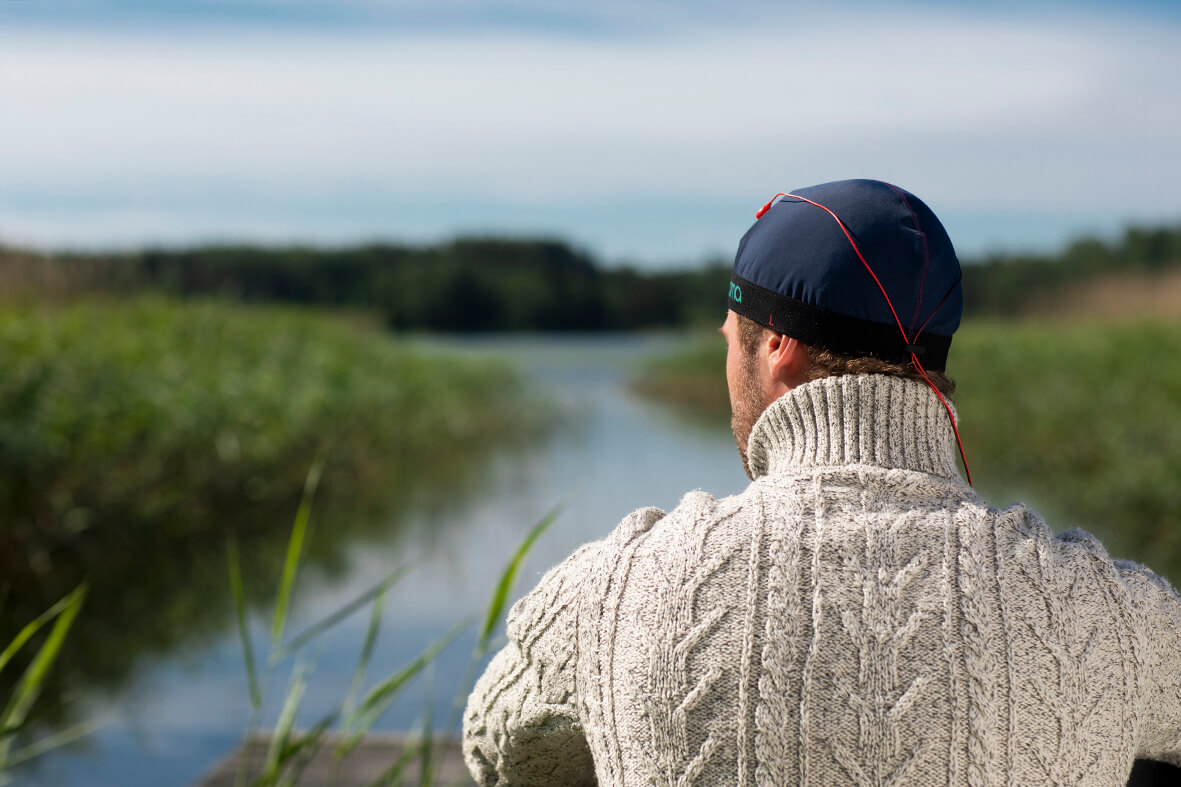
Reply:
x=788 y=362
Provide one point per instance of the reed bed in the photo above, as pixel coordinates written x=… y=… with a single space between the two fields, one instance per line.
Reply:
x=136 y=433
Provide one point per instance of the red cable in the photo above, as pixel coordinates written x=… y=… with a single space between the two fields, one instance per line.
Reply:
x=841 y=224
x=950 y=415
x=905 y=340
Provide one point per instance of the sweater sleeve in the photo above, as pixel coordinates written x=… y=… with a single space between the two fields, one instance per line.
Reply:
x=1157 y=609
x=521 y=726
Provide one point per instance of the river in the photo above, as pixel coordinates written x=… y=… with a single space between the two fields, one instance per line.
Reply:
x=611 y=453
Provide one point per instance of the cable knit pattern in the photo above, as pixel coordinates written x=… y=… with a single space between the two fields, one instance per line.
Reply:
x=856 y=616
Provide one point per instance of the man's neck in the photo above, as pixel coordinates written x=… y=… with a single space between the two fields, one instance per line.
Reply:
x=878 y=420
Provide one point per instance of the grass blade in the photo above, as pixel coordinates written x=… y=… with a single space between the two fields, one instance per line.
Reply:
x=8 y=731
x=495 y=610
x=51 y=742
x=318 y=628
x=29 y=630
x=294 y=553
x=294 y=757
x=366 y=652
x=426 y=773
x=30 y=683
x=500 y=598
x=311 y=740
x=239 y=593
x=393 y=775
x=381 y=696
x=279 y=738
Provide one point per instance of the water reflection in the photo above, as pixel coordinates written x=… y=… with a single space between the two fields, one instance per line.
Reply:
x=155 y=595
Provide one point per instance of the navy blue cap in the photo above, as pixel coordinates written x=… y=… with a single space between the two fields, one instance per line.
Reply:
x=798 y=273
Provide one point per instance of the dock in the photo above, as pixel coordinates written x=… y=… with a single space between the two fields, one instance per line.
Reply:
x=371 y=760
x=364 y=766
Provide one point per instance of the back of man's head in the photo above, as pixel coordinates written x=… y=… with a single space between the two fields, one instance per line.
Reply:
x=859 y=271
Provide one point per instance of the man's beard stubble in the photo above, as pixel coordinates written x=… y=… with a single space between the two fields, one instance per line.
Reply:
x=745 y=408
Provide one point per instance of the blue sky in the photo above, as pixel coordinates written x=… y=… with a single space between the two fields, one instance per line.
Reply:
x=641 y=131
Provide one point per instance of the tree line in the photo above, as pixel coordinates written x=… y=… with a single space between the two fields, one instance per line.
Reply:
x=1009 y=283
x=502 y=284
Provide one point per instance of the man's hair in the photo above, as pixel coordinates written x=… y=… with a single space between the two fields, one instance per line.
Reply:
x=826 y=363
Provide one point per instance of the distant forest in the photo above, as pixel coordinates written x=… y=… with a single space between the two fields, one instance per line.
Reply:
x=497 y=284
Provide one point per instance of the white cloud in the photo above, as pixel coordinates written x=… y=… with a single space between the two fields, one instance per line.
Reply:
x=970 y=112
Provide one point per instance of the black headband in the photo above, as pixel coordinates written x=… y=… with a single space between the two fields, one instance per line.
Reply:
x=836 y=332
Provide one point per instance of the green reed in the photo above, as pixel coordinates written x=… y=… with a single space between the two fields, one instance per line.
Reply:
x=135 y=433
x=289 y=750
x=152 y=414
x=15 y=712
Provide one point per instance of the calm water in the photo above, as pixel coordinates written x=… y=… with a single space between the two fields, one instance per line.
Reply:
x=613 y=453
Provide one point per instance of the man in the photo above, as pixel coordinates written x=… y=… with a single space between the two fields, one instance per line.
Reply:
x=857 y=615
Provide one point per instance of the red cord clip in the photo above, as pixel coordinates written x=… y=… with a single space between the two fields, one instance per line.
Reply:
x=759 y=213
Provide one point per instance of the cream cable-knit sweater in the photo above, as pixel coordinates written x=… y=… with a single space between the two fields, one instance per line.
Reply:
x=856 y=616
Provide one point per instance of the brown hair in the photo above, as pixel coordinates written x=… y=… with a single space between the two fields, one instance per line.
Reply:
x=826 y=363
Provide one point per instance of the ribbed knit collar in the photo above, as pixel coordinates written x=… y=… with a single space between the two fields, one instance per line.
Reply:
x=877 y=420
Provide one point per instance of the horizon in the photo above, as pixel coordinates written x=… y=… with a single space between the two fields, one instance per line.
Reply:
x=704 y=263
x=643 y=133
x=1047 y=248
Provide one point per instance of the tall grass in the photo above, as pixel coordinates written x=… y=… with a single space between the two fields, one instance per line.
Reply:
x=1079 y=418
x=153 y=414
x=135 y=433
x=1083 y=421
x=288 y=750
x=15 y=712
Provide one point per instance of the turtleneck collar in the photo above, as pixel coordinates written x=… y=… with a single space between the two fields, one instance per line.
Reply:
x=879 y=420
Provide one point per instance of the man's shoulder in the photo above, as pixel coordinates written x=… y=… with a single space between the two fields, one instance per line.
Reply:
x=696 y=506
x=1074 y=560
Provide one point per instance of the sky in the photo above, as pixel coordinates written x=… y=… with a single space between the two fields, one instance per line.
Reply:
x=644 y=132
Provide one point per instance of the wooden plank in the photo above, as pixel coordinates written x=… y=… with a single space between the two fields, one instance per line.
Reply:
x=360 y=768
